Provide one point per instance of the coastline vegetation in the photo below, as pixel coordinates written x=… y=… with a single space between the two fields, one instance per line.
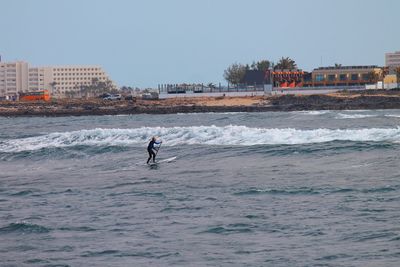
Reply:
x=235 y=73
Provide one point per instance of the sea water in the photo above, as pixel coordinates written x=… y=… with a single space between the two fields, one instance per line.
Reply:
x=319 y=188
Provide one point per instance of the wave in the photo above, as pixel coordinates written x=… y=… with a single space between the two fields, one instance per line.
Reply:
x=298 y=191
x=353 y=116
x=315 y=191
x=392 y=116
x=230 y=135
x=24 y=227
x=312 y=112
x=237 y=228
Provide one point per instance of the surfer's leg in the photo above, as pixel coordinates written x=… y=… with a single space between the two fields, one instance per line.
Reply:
x=150 y=155
x=154 y=156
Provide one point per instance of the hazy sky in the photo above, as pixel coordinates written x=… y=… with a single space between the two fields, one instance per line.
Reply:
x=149 y=42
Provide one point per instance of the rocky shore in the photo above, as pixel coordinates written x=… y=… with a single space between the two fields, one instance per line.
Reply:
x=376 y=99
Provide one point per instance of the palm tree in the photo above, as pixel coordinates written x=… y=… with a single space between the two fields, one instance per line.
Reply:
x=397 y=70
x=263 y=65
x=337 y=65
x=373 y=77
x=53 y=85
x=286 y=63
x=385 y=71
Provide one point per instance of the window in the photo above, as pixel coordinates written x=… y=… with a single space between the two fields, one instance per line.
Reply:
x=319 y=78
x=331 y=77
x=365 y=76
x=343 y=77
x=354 y=77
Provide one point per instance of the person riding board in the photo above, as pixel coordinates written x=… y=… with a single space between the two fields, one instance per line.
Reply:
x=151 y=148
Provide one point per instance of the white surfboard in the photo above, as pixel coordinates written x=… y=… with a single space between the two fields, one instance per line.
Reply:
x=162 y=161
x=166 y=160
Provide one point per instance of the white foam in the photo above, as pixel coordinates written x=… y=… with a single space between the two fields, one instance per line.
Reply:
x=353 y=116
x=197 y=135
x=313 y=112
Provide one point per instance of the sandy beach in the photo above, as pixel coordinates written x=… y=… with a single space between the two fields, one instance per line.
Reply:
x=347 y=101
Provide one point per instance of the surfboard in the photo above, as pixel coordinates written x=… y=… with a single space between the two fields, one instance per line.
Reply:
x=168 y=160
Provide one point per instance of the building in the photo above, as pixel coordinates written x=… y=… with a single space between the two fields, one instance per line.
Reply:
x=18 y=77
x=256 y=78
x=288 y=78
x=392 y=60
x=39 y=78
x=390 y=79
x=343 y=76
x=66 y=79
x=13 y=78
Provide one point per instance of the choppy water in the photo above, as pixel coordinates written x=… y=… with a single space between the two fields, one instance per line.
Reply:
x=314 y=188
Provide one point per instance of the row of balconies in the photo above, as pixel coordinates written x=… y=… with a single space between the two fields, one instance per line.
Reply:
x=73 y=83
x=80 y=74
x=78 y=78
x=76 y=69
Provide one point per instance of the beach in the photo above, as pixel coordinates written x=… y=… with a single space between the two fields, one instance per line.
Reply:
x=373 y=99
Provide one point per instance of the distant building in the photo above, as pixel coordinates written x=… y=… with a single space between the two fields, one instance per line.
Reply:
x=342 y=76
x=70 y=78
x=288 y=78
x=392 y=60
x=256 y=77
x=390 y=79
x=16 y=77
x=13 y=78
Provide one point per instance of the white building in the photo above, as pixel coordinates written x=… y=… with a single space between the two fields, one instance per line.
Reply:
x=18 y=77
x=392 y=60
x=39 y=79
x=13 y=78
x=71 y=78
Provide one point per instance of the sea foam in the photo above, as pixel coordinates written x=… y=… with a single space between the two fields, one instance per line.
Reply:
x=231 y=135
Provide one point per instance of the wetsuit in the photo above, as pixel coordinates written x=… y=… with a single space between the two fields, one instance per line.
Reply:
x=150 y=148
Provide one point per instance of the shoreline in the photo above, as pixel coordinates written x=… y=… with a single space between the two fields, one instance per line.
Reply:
x=366 y=100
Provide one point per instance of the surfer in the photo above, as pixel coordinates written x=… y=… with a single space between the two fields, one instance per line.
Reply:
x=151 y=148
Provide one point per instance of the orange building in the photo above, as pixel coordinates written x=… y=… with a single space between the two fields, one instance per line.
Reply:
x=288 y=78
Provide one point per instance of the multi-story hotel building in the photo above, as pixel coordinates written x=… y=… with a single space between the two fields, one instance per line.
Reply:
x=16 y=77
x=392 y=60
x=13 y=78
x=71 y=78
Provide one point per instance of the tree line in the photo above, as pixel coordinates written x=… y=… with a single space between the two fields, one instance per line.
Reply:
x=97 y=87
x=235 y=73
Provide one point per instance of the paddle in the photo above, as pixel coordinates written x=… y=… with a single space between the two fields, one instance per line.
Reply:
x=158 y=150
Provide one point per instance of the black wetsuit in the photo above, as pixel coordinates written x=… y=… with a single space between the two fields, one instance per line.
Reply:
x=150 y=148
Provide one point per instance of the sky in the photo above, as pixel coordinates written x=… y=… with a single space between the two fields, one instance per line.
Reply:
x=150 y=42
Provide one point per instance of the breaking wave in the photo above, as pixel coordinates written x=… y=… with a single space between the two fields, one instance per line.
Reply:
x=354 y=116
x=231 y=135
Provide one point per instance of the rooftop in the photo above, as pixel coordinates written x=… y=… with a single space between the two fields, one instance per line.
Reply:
x=347 y=67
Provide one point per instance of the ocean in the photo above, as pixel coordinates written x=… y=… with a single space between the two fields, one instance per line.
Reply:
x=312 y=188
